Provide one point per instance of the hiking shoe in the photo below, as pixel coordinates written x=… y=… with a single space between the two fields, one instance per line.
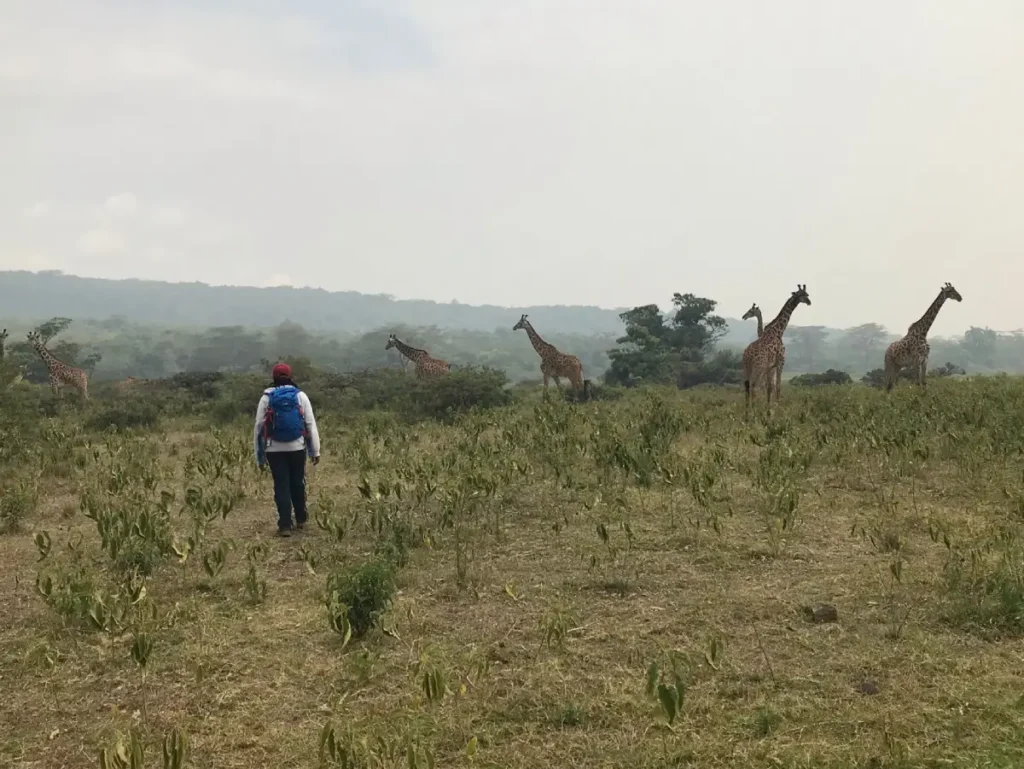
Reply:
x=300 y=525
x=284 y=532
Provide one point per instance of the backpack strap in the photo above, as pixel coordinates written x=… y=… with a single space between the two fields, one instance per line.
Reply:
x=268 y=417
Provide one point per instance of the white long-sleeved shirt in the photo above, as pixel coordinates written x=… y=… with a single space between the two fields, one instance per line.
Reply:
x=300 y=442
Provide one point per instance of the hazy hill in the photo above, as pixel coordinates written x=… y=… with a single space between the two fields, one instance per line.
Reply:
x=46 y=294
x=28 y=295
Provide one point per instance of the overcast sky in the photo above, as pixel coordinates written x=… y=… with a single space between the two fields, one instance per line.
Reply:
x=602 y=152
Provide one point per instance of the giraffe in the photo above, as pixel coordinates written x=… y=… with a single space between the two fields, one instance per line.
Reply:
x=913 y=349
x=765 y=356
x=426 y=367
x=3 y=338
x=755 y=312
x=553 y=364
x=60 y=372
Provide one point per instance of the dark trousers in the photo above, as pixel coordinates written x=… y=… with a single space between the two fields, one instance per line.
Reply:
x=289 y=471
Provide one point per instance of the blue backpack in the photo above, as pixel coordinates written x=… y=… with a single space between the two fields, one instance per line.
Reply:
x=284 y=421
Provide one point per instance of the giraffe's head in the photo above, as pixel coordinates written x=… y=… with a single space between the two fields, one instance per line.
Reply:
x=35 y=339
x=801 y=296
x=520 y=324
x=392 y=341
x=951 y=293
x=753 y=312
x=3 y=335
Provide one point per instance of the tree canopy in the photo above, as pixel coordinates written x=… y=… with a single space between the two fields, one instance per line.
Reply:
x=660 y=349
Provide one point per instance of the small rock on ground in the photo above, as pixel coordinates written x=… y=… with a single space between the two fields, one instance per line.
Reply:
x=821 y=612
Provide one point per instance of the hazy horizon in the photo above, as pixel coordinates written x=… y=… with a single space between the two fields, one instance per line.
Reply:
x=545 y=153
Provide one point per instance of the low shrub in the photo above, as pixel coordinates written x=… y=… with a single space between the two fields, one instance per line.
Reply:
x=876 y=377
x=124 y=415
x=367 y=591
x=725 y=367
x=414 y=399
x=459 y=391
x=17 y=502
x=201 y=384
x=985 y=582
x=830 y=377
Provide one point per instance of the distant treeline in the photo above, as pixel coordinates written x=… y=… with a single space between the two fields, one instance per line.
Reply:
x=116 y=348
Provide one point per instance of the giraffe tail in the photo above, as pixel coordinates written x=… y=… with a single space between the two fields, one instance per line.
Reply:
x=746 y=386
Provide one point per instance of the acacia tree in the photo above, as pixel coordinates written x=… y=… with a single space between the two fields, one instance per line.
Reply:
x=806 y=344
x=868 y=340
x=664 y=349
x=980 y=346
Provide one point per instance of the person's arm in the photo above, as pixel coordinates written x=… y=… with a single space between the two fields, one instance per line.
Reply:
x=314 y=434
x=261 y=414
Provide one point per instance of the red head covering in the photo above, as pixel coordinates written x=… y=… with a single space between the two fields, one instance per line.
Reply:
x=282 y=371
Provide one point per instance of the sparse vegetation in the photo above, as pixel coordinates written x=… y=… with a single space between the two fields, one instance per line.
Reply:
x=497 y=578
x=830 y=377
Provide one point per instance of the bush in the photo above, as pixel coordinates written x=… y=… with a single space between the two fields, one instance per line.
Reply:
x=986 y=583
x=9 y=373
x=17 y=503
x=947 y=369
x=460 y=391
x=200 y=384
x=876 y=377
x=830 y=377
x=238 y=397
x=593 y=391
x=418 y=399
x=380 y=388
x=128 y=413
x=725 y=367
x=367 y=591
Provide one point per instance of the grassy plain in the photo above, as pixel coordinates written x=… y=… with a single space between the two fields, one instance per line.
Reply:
x=568 y=579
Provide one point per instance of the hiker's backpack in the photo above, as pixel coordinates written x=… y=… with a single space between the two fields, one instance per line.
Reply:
x=284 y=421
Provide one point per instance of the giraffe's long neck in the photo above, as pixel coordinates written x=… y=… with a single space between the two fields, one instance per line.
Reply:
x=52 y=364
x=1 y=348
x=409 y=352
x=925 y=323
x=778 y=326
x=760 y=323
x=542 y=347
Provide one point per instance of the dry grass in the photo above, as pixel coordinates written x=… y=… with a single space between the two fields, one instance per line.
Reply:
x=252 y=685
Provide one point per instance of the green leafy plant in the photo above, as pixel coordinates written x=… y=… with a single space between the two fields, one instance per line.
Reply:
x=175 y=749
x=17 y=503
x=359 y=596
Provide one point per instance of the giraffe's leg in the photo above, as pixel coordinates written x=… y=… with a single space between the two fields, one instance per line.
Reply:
x=756 y=386
x=892 y=372
x=748 y=383
x=922 y=373
x=778 y=383
x=546 y=380
x=558 y=382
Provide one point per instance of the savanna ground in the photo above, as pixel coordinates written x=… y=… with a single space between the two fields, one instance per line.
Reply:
x=617 y=583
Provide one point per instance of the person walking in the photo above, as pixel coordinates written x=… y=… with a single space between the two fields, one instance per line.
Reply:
x=284 y=436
